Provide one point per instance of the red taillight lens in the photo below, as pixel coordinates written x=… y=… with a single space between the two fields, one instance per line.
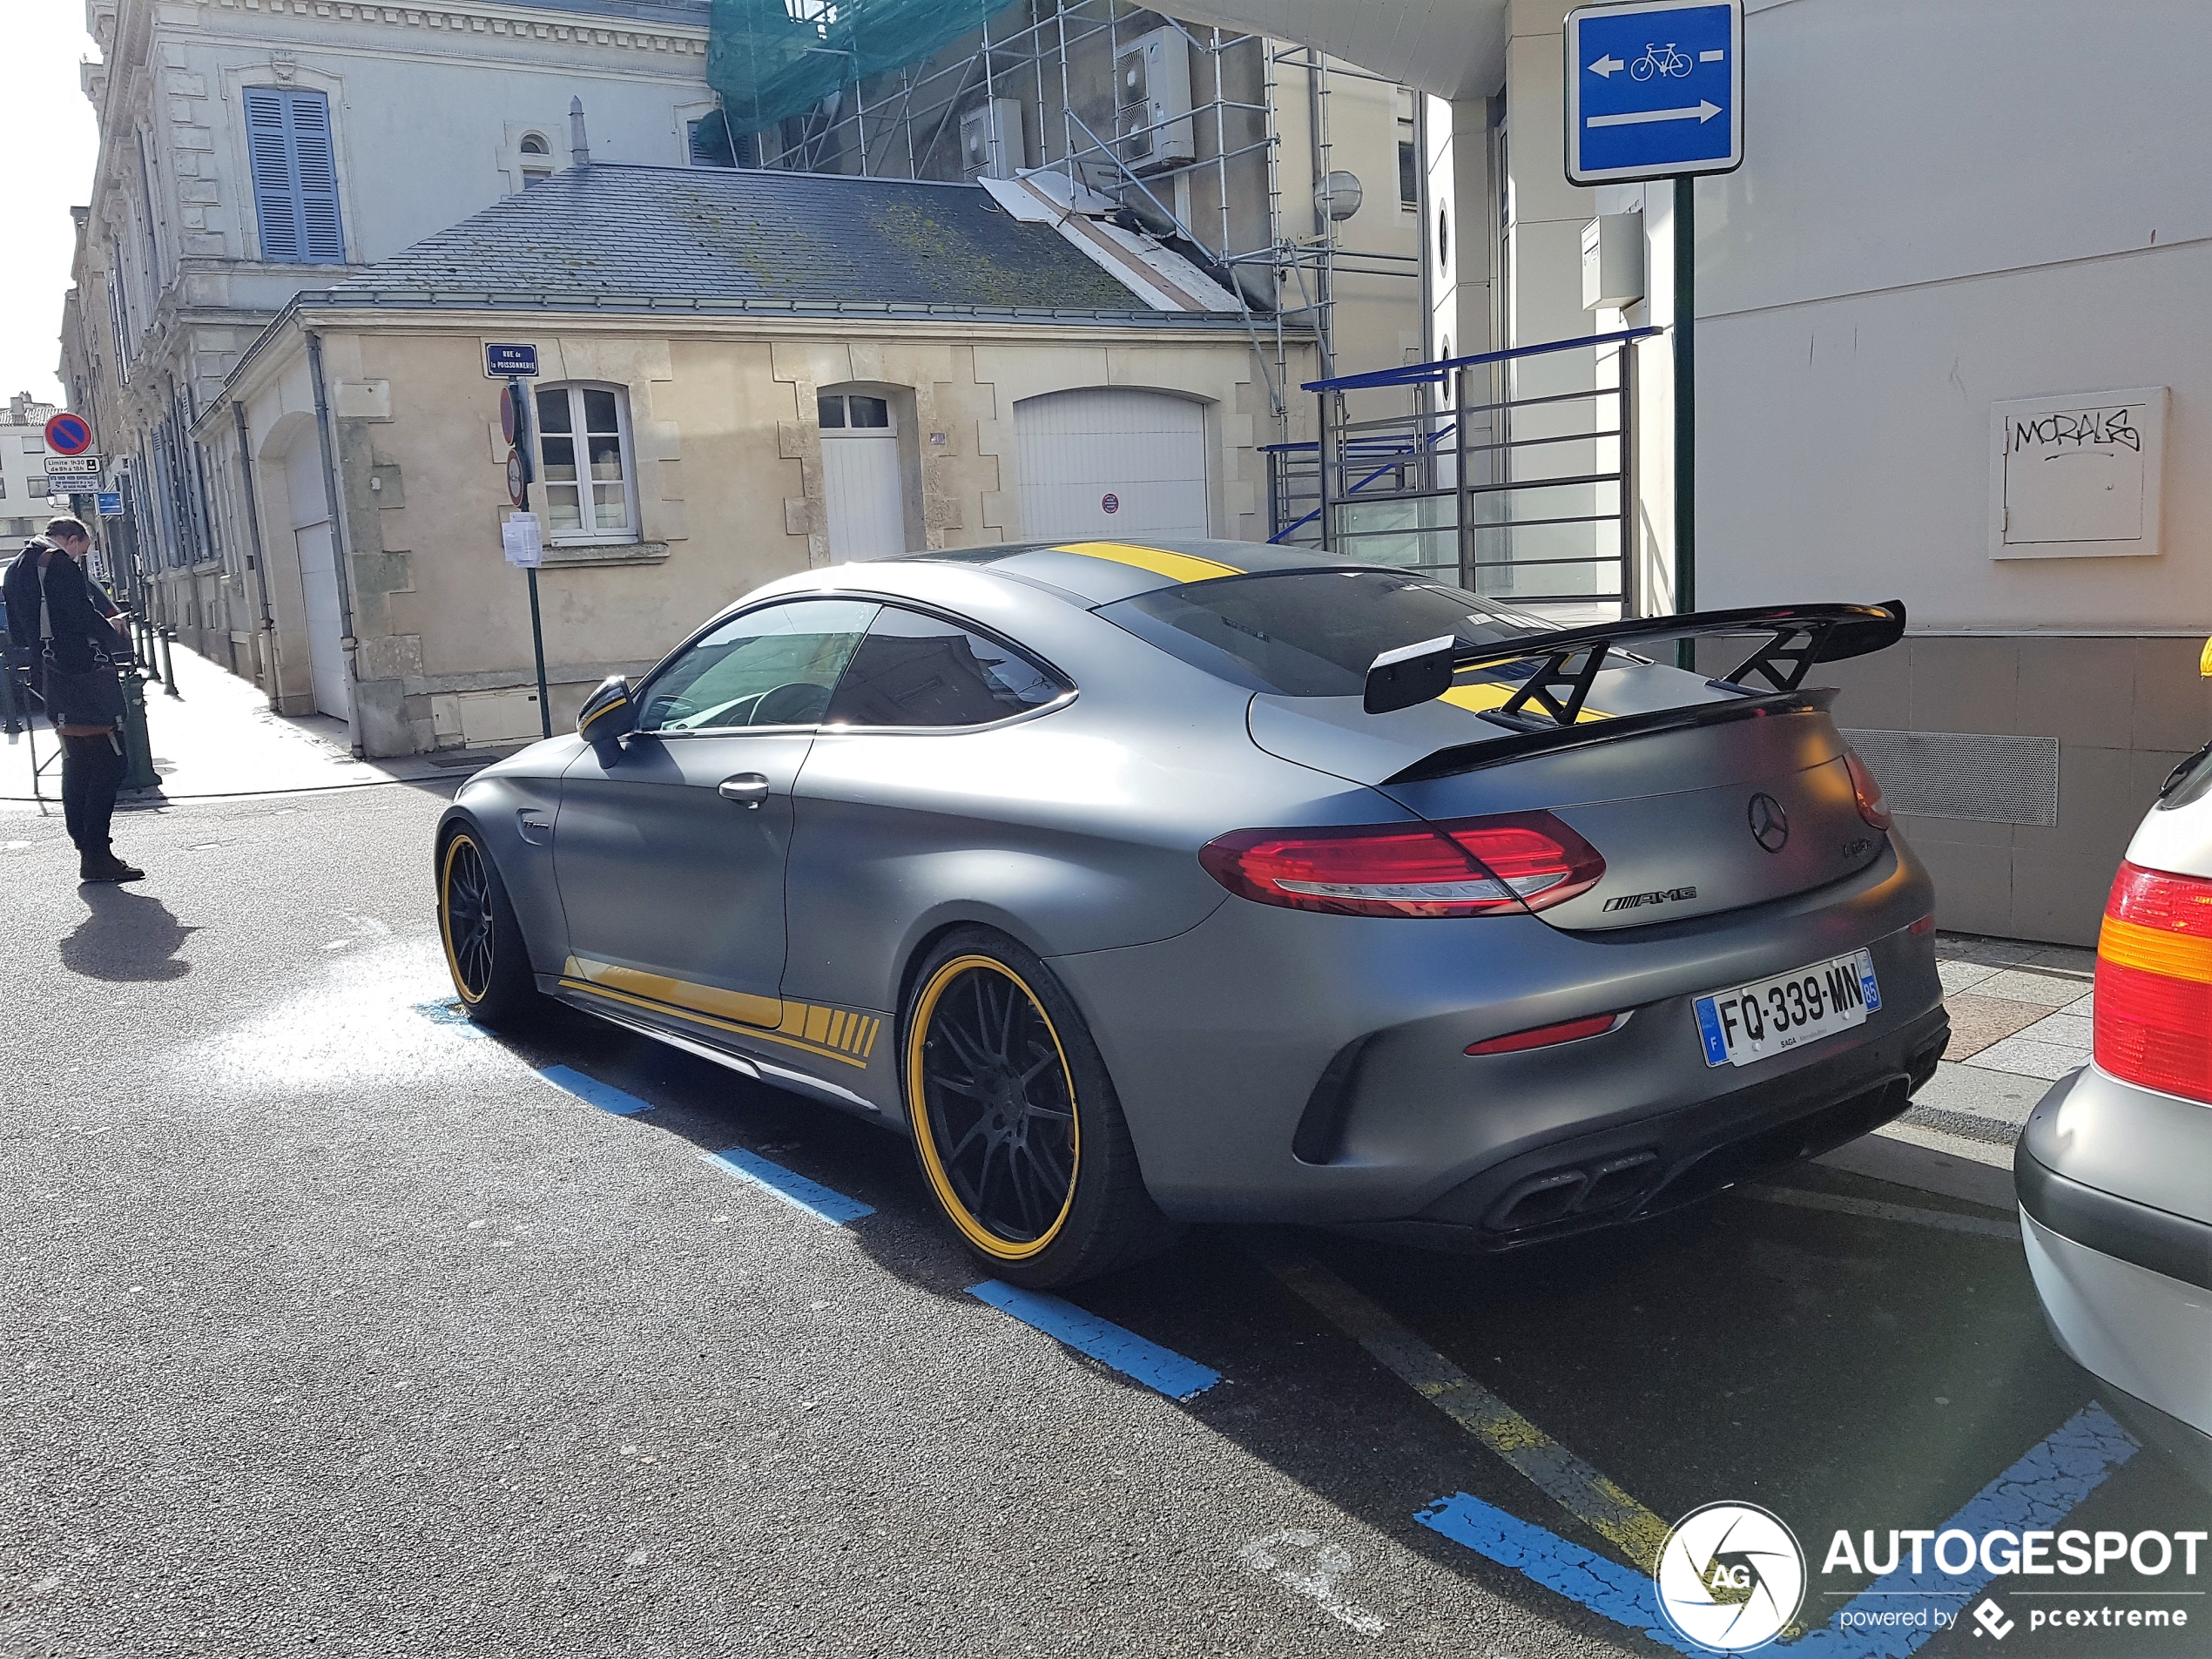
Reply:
x=1464 y=866
x=1544 y=1035
x=1868 y=791
x=2154 y=1011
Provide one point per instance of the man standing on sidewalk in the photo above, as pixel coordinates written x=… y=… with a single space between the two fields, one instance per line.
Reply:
x=53 y=613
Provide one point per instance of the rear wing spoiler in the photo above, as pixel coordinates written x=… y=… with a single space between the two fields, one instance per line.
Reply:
x=1799 y=637
x=1545 y=713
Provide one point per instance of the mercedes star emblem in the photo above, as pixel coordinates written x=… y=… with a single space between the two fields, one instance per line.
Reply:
x=1769 y=824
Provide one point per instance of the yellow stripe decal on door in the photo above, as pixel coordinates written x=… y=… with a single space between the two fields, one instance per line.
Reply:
x=1179 y=567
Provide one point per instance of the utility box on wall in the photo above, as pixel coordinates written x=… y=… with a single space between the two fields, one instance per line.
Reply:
x=990 y=139
x=2077 y=476
x=1613 y=261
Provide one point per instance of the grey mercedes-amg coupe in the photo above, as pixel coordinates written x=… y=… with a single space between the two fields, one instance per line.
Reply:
x=1202 y=881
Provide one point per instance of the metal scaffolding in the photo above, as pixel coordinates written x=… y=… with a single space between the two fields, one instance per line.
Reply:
x=1221 y=205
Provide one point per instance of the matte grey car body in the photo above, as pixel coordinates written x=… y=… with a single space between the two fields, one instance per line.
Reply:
x=1272 y=1063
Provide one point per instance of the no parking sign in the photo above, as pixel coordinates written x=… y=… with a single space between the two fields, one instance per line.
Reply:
x=69 y=435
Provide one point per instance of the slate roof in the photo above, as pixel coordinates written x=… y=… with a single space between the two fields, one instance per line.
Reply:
x=615 y=237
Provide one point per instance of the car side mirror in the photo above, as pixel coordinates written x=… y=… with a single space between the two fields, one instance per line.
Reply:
x=1410 y=675
x=607 y=714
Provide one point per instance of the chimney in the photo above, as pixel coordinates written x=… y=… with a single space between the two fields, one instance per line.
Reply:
x=579 y=146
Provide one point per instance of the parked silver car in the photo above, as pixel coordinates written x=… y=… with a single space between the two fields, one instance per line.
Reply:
x=1206 y=880
x=2114 y=1168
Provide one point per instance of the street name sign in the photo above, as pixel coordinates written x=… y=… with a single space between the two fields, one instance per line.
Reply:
x=1655 y=89
x=502 y=361
x=109 y=502
x=69 y=435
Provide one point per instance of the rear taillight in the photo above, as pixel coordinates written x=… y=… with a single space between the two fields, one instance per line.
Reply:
x=1463 y=867
x=1868 y=791
x=2154 y=1006
x=1544 y=1036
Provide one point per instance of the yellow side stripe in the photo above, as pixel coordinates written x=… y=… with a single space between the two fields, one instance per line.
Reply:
x=678 y=993
x=2130 y=944
x=1178 y=567
x=837 y=1034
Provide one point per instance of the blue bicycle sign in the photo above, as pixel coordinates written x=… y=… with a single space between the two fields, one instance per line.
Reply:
x=1655 y=89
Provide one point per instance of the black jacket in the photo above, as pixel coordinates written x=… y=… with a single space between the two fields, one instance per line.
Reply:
x=79 y=623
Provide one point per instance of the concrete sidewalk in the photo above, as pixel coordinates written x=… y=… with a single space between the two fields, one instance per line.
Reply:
x=219 y=739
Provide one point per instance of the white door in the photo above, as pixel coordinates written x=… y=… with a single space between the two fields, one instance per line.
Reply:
x=861 y=481
x=318 y=553
x=1109 y=461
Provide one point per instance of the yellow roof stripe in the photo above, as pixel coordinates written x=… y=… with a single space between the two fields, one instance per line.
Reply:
x=2155 y=950
x=1179 y=567
x=1490 y=694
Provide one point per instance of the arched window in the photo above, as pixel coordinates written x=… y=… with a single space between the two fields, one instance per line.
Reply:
x=537 y=165
x=586 y=471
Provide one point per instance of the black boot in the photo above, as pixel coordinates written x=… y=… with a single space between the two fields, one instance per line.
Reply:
x=103 y=866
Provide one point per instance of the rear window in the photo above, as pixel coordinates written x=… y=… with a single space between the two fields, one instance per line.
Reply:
x=1310 y=633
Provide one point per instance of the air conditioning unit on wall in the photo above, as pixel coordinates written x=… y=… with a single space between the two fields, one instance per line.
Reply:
x=990 y=139
x=1152 y=102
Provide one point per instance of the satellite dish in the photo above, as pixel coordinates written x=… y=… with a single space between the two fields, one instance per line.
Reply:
x=1337 y=197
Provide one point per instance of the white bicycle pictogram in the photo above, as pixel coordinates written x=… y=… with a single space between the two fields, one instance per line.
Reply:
x=1662 y=61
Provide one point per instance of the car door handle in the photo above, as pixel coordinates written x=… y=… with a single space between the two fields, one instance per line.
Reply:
x=750 y=787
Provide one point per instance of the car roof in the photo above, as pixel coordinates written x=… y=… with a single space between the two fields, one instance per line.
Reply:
x=1100 y=572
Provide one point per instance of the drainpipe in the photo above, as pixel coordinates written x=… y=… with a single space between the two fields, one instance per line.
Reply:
x=260 y=559
x=341 y=543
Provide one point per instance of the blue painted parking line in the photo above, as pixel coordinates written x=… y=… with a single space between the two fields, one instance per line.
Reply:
x=791 y=1187
x=2036 y=1492
x=590 y=1090
x=447 y=1012
x=1129 y=1354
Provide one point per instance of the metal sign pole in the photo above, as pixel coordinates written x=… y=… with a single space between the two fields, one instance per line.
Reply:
x=1685 y=411
x=522 y=408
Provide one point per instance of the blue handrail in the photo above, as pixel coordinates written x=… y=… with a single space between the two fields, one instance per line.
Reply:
x=1420 y=374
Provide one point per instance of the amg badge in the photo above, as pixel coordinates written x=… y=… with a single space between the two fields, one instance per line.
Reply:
x=1634 y=900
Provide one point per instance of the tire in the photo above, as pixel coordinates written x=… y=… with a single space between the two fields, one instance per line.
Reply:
x=1035 y=1172
x=485 y=954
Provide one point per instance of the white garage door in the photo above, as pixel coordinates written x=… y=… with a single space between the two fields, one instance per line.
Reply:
x=1109 y=461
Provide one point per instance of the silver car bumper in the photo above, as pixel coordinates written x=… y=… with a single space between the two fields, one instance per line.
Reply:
x=1281 y=1065
x=2117 y=1214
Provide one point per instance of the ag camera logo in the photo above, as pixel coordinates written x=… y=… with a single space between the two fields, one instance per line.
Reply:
x=1731 y=1577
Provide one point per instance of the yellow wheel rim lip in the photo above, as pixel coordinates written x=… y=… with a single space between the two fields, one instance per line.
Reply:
x=445 y=914
x=926 y=1002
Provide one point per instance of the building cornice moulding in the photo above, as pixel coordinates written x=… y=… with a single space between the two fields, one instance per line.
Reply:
x=510 y=23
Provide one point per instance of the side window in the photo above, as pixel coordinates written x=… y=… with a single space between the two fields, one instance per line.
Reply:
x=584 y=462
x=915 y=670
x=772 y=667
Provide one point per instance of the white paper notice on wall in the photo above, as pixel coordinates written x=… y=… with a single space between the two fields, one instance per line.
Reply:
x=521 y=539
x=2077 y=476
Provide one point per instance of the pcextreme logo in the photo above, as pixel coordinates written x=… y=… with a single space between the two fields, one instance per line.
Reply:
x=1731 y=1577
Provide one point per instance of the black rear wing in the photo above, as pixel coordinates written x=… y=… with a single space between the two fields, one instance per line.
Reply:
x=1799 y=637
x=1545 y=712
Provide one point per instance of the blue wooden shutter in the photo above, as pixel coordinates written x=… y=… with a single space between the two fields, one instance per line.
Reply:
x=321 y=242
x=295 y=175
x=275 y=199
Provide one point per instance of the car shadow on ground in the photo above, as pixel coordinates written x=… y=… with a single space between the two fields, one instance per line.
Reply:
x=1846 y=1370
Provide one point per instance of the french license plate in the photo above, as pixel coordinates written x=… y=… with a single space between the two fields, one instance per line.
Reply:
x=1772 y=1016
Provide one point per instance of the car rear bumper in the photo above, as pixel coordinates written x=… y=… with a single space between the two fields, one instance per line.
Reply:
x=2117 y=1218
x=1282 y=1065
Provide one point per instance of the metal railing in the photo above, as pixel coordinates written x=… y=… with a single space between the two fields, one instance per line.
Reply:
x=1518 y=485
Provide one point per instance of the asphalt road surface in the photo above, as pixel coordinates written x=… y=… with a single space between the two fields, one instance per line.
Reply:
x=331 y=1325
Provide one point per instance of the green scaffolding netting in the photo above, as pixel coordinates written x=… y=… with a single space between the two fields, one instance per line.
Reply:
x=773 y=59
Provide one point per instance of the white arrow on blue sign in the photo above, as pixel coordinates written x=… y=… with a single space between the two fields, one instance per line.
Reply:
x=1655 y=89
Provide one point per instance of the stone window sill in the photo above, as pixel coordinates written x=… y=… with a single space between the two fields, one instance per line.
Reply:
x=605 y=553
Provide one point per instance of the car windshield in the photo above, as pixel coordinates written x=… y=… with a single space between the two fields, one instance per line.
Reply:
x=1310 y=633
